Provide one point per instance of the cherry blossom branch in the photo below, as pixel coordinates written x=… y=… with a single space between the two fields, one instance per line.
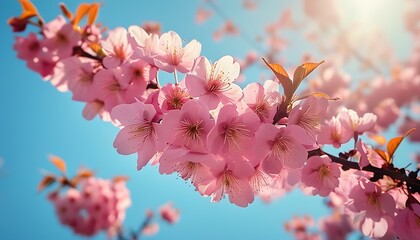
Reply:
x=397 y=174
x=82 y=53
x=145 y=223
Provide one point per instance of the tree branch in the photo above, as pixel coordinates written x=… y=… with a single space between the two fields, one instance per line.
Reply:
x=413 y=183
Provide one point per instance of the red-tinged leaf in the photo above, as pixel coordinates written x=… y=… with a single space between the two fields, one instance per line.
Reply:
x=58 y=162
x=81 y=12
x=46 y=181
x=120 y=179
x=93 y=13
x=384 y=155
x=319 y=95
x=66 y=11
x=18 y=25
x=281 y=75
x=302 y=72
x=29 y=9
x=394 y=143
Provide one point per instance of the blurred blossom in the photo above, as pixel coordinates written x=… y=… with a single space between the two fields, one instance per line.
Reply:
x=169 y=213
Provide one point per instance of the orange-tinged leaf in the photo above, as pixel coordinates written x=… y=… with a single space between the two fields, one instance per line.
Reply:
x=384 y=155
x=84 y=173
x=302 y=72
x=93 y=13
x=95 y=47
x=58 y=162
x=66 y=11
x=81 y=12
x=277 y=68
x=29 y=9
x=81 y=174
x=120 y=179
x=319 y=95
x=394 y=143
x=46 y=181
x=281 y=75
x=379 y=139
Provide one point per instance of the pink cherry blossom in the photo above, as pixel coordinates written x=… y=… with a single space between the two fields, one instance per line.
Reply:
x=172 y=96
x=280 y=147
x=112 y=88
x=76 y=74
x=250 y=4
x=151 y=229
x=334 y=132
x=187 y=127
x=63 y=41
x=336 y=226
x=325 y=12
x=138 y=74
x=362 y=149
x=43 y=64
x=358 y=124
x=214 y=83
x=138 y=133
x=233 y=132
x=228 y=177
x=27 y=48
x=188 y=164
x=321 y=174
x=50 y=29
x=117 y=48
x=202 y=15
x=153 y=100
x=250 y=58
x=348 y=180
x=309 y=115
x=227 y=28
x=169 y=213
x=299 y=226
x=387 y=111
x=408 y=124
x=281 y=183
x=145 y=46
x=172 y=56
x=407 y=222
x=96 y=107
x=376 y=208
x=375 y=229
x=263 y=100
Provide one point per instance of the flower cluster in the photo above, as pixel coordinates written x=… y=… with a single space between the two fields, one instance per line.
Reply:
x=335 y=226
x=85 y=203
x=262 y=139
x=99 y=205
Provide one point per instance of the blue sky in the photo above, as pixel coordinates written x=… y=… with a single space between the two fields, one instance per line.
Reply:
x=37 y=120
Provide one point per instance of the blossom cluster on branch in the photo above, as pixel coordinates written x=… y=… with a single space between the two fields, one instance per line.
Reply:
x=89 y=205
x=262 y=140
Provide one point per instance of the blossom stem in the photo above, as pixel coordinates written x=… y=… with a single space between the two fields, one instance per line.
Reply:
x=82 y=53
x=35 y=24
x=145 y=223
x=176 y=77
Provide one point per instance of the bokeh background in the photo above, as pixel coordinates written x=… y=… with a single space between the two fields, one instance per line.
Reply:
x=37 y=120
